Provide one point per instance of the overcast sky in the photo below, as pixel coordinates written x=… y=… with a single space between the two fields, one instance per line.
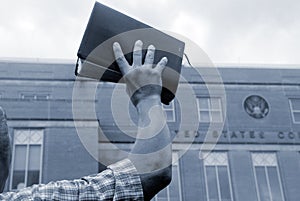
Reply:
x=229 y=31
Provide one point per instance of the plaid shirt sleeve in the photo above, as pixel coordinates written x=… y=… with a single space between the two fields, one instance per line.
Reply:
x=119 y=181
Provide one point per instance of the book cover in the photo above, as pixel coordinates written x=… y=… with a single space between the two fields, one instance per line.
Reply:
x=106 y=26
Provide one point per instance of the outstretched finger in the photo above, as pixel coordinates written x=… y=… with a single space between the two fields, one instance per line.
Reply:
x=161 y=64
x=150 y=55
x=121 y=60
x=137 y=53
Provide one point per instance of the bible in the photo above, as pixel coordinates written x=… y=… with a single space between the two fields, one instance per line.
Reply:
x=106 y=26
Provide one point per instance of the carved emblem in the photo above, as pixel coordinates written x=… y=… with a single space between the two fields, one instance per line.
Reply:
x=256 y=107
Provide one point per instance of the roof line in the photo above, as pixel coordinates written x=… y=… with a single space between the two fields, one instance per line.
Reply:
x=38 y=60
x=196 y=65
x=246 y=65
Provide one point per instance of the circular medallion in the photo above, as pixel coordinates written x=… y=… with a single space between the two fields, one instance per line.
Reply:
x=256 y=106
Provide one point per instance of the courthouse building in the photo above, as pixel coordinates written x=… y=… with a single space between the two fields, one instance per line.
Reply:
x=236 y=133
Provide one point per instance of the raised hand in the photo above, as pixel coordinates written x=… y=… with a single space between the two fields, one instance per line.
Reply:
x=151 y=153
x=142 y=80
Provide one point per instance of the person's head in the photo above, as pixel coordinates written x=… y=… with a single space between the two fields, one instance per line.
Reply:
x=5 y=150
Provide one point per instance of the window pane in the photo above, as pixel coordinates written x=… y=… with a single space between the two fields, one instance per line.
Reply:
x=34 y=157
x=18 y=181
x=204 y=116
x=297 y=116
x=170 y=116
x=27 y=96
x=264 y=159
x=216 y=116
x=162 y=194
x=169 y=107
x=174 y=186
x=21 y=137
x=42 y=97
x=33 y=177
x=224 y=182
x=215 y=104
x=212 y=183
x=262 y=184
x=203 y=103
x=36 y=136
x=34 y=165
x=26 y=158
x=295 y=104
x=20 y=157
x=274 y=183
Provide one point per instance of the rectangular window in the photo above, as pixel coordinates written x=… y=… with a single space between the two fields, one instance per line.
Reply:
x=26 y=158
x=35 y=96
x=295 y=109
x=170 y=111
x=173 y=191
x=210 y=110
x=217 y=177
x=267 y=177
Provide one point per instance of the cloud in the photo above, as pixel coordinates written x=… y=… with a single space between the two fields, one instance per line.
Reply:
x=251 y=31
x=44 y=29
x=257 y=31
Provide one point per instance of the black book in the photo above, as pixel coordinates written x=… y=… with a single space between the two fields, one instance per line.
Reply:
x=106 y=26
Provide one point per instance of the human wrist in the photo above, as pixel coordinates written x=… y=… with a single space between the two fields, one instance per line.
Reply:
x=151 y=92
x=145 y=103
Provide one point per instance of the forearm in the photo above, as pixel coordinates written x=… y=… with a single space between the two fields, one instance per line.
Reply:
x=152 y=148
x=119 y=181
x=151 y=153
